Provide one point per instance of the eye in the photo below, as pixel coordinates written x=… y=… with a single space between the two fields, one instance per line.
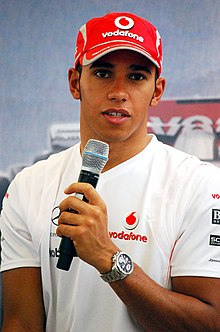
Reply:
x=102 y=73
x=137 y=76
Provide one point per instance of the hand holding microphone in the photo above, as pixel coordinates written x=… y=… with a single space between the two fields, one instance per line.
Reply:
x=94 y=158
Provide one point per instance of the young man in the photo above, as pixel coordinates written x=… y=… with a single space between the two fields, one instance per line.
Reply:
x=150 y=229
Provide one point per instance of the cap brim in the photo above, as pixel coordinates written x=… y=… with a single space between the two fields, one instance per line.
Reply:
x=102 y=49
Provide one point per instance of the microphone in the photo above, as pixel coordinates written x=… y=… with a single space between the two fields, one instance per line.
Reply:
x=94 y=158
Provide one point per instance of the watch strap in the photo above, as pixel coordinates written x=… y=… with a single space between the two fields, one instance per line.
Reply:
x=115 y=274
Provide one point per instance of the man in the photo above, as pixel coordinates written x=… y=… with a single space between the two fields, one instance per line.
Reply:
x=151 y=228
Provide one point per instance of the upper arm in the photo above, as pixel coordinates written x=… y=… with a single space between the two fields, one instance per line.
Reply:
x=22 y=300
x=204 y=289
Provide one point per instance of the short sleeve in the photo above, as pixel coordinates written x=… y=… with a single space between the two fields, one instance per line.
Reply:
x=197 y=249
x=18 y=249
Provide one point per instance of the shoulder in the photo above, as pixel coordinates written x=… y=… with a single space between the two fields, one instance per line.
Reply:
x=179 y=158
x=183 y=170
x=51 y=166
x=174 y=161
x=44 y=173
x=40 y=182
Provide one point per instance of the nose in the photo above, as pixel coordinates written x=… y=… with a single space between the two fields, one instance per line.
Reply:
x=118 y=91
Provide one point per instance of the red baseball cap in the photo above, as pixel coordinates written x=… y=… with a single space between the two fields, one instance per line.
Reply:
x=116 y=31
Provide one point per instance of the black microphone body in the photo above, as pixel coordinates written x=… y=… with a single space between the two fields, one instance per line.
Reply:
x=67 y=249
x=93 y=163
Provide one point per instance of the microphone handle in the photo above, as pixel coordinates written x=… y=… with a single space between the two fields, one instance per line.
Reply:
x=67 y=249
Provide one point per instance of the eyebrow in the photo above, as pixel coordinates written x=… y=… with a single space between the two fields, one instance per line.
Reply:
x=104 y=64
x=100 y=63
x=147 y=69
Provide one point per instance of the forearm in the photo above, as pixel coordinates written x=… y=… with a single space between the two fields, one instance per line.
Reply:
x=17 y=326
x=23 y=308
x=158 y=309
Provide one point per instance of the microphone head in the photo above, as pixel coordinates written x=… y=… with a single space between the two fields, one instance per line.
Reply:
x=95 y=156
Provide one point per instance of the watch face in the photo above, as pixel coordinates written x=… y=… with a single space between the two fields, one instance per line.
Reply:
x=125 y=263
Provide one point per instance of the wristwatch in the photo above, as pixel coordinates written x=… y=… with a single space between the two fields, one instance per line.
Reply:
x=122 y=266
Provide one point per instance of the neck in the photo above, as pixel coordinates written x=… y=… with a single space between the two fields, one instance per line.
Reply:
x=119 y=152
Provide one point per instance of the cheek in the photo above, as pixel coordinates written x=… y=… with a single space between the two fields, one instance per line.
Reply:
x=143 y=100
x=144 y=93
x=91 y=100
x=87 y=90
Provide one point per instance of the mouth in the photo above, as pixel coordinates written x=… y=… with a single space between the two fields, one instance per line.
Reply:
x=116 y=116
x=116 y=113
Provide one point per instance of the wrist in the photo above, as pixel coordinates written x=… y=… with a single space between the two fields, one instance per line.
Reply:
x=122 y=266
x=104 y=264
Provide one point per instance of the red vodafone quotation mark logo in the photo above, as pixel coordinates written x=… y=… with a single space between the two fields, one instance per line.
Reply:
x=124 y=22
x=216 y=196
x=131 y=221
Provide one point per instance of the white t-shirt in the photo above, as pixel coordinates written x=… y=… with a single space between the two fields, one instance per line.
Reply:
x=163 y=209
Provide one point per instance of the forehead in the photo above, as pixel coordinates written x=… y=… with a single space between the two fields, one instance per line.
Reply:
x=123 y=57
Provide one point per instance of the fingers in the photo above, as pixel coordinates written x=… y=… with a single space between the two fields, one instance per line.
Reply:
x=72 y=204
x=74 y=211
x=88 y=226
x=85 y=189
x=77 y=205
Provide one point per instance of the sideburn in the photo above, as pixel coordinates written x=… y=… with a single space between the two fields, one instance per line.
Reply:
x=155 y=82
x=79 y=69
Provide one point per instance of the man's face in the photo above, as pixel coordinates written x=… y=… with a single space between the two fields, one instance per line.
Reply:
x=115 y=93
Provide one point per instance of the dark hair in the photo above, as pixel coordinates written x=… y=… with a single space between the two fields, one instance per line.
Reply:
x=79 y=69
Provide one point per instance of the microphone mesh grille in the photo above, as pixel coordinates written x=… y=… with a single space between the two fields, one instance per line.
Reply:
x=95 y=156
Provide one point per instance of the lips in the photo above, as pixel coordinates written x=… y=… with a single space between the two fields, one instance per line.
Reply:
x=116 y=116
x=116 y=113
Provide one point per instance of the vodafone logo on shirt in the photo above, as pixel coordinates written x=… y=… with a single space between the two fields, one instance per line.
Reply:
x=130 y=222
x=216 y=196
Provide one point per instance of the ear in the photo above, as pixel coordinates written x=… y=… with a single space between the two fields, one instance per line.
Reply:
x=73 y=76
x=159 y=89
